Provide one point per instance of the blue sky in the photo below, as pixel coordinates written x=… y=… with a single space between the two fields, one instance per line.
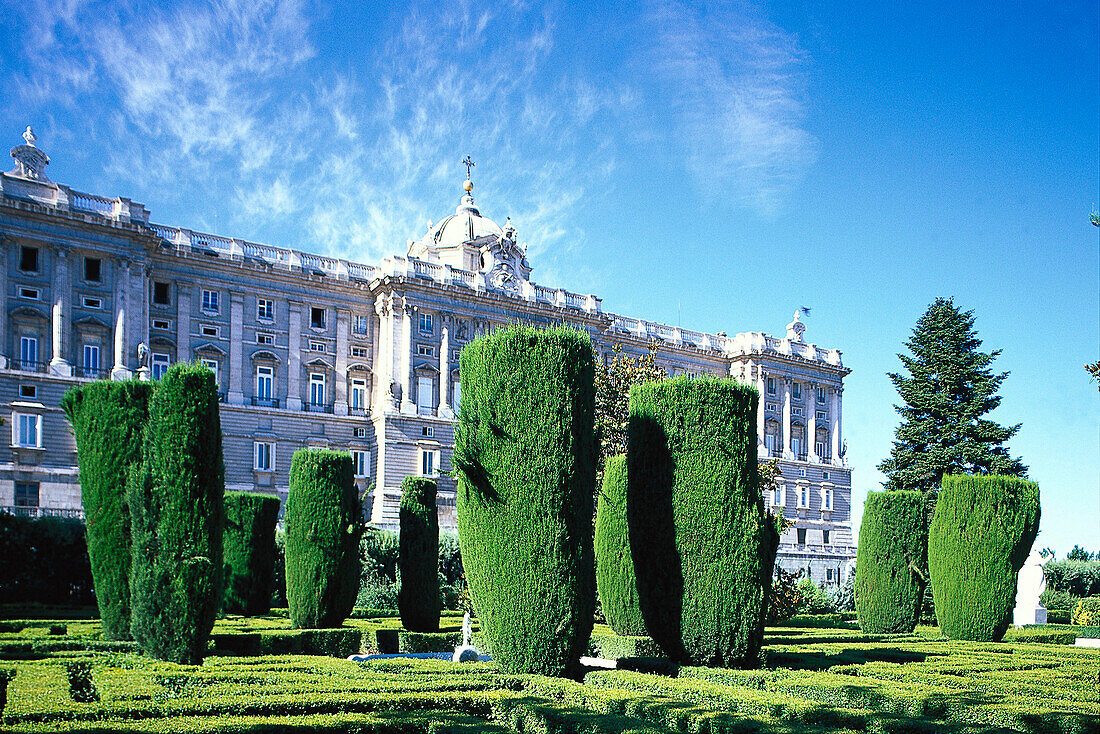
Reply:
x=712 y=165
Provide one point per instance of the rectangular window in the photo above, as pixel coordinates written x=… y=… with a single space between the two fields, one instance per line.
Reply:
x=803 y=496
x=777 y=496
x=265 y=456
x=32 y=293
x=316 y=346
x=26 y=494
x=361 y=461
x=28 y=352
x=821 y=416
x=265 y=309
x=360 y=352
x=212 y=365
x=825 y=475
x=358 y=394
x=801 y=472
x=819 y=448
x=93 y=270
x=801 y=535
x=796 y=410
x=796 y=390
x=771 y=407
x=825 y=537
x=160 y=365
x=429 y=462
x=264 y=377
x=771 y=386
x=262 y=338
x=821 y=395
x=316 y=389
x=160 y=293
x=164 y=324
x=29 y=392
x=26 y=430
x=210 y=301
x=426 y=323
x=828 y=571
x=427 y=431
x=91 y=302
x=456 y=397
x=423 y=350
x=317 y=318
x=91 y=360
x=796 y=449
x=826 y=499
x=360 y=324
x=360 y=432
x=28 y=259
x=424 y=399
x=211 y=331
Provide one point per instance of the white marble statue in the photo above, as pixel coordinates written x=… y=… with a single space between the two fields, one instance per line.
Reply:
x=1030 y=584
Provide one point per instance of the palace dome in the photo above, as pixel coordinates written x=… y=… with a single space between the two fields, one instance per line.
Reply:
x=465 y=225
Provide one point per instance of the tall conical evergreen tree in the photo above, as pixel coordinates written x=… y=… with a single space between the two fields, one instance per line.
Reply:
x=947 y=391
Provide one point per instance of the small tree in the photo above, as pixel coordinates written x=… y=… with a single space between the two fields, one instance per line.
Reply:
x=175 y=500
x=323 y=525
x=418 y=598
x=980 y=536
x=614 y=378
x=615 y=579
x=249 y=550
x=108 y=420
x=892 y=547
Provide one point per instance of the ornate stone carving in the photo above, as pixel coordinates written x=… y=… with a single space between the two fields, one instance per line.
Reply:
x=30 y=162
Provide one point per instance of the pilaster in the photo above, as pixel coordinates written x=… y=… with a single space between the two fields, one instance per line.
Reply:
x=408 y=407
x=236 y=348
x=4 y=344
x=122 y=294
x=834 y=434
x=62 y=292
x=788 y=452
x=811 y=421
x=294 y=358
x=340 y=407
x=444 y=410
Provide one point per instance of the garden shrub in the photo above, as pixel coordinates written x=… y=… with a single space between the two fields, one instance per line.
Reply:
x=1087 y=612
x=278 y=570
x=980 y=536
x=615 y=581
x=45 y=562
x=81 y=684
x=613 y=647
x=6 y=676
x=322 y=538
x=525 y=455
x=176 y=509
x=418 y=596
x=815 y=599
x=703 y=546
x=1075 y=577
x=249 y=552
x=893 y=544
x=108 y=420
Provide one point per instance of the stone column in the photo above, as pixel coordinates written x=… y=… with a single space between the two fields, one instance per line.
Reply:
x=62 y=291
x=236 y=349
x=4 y=346
x=340 y=407
x=383 y=362
x=834 y=415
x=787 y=450
x=122 y=283
x=811 y=422
x=183 y=327
x=294 y=358
x=408 y=407
x=762 y=386
x=444 y=410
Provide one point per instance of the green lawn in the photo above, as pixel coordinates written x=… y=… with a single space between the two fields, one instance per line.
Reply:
x=814 y=680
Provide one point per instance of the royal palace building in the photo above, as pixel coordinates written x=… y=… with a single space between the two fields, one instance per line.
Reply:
x=312 y=351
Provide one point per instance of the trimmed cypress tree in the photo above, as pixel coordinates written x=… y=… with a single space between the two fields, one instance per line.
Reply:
x=418 y=556
x=108 y=419
x=175 y=499
x=323 y=525
x=615 y=581
x=249 y=551
x=525 y=454
x=981 y=534
x=702 y=543
x=889 y=581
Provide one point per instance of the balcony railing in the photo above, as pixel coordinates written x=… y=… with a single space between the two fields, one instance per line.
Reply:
x=265 y=402
x=94 y=373
x=22 y=511
x=28 y=366
x=317 y=408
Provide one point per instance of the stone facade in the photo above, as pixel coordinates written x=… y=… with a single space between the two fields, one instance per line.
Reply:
x=316 y=351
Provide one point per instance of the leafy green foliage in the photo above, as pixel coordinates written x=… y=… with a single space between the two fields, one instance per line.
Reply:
x=892 y=549
x=815 y=599
x=45 y=561
x=784 y=596
x=323 y=527
x=418 y=598
x=1080 y=554
x=378 y=551
x=1079 y=578
x=614 y=378
x=81 y=684
x=6 y=676
x=1087 y=612
x=525 y=454
x=703 y=546
x=615 y=580
x=108 y=419
x=175 y=500
x=249 y=551
x=947 y=391
x=980 y=536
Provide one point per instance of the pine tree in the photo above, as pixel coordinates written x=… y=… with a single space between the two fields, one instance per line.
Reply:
x=950 y=386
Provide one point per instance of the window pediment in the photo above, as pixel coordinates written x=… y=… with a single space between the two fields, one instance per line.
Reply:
x=28 y=312
x=264 y=355
x=210 y=348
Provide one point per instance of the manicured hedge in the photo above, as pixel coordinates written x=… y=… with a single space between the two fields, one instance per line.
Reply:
x=615 y=580
x=418 y=597
x=323 y=525
x=525 y=453
x=45 y=562
x=703 y=546
x=1087 y=612
x=108 y=420
x=892 y=547
x=981 y=534
x=175 y=500
x=249 y=549
x=1079 y=578
x=338 y=642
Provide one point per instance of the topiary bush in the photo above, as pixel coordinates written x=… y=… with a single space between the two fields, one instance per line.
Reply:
x=1087 y=612
x=175 y=501
x=892 y=547
x=323 y=525
x=980 y=536
x=702 y=543
x=6 y=676
x=249 y=552
x=418 y=596
x=615 y=581
x=525 y=455
x=108 y=419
